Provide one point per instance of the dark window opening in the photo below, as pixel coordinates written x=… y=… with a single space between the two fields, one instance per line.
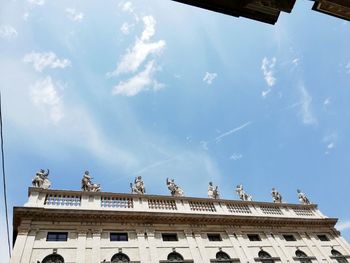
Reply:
x=323 y=237
x=289 y=238
x=57 y=236
x=254 y=237
x=302 y=257
x=338 y=256
x=119 y=258
x=169 y=237
x=265 y=257
x=214 y=237
x=53 y=258
x=118 y=237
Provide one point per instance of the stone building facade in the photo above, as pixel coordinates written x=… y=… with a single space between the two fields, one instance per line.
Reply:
x=91 y=227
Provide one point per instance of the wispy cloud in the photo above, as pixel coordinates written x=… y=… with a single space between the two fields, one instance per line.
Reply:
x=44 y=60
x=36 y=2
x=268 y=67
x=8 y=32
x=330 y=141
x=327 y=101
x=126 y=27
x=306 y=108
x=236 y=156
x=74 y=15
x=44 y=95
x=141 y=49
x=343 y=225
x=128 y=8
x=347 y=68
x=154 y=165
x=218 y=138
x=209 y=77
x=140 y=82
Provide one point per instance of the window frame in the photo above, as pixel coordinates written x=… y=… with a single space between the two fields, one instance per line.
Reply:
x=54 y=236
x=289 y=237
x=323 y=237
x=214 y=237
x=118 y=236
x=166 y=237
x=252 y=237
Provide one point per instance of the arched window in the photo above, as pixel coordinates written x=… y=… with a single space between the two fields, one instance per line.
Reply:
x=175 y=257
x=119 y=258
x=222 y=257
x=302 y=257
x=338 y=256
x=53 y=258
x=265 y=257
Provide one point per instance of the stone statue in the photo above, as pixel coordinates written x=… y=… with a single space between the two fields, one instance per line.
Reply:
x=87 y=185
x=276 y=196
x=303 y=198
x=41 y=179
x=213 y=191
x=243 y=195
x=174 y=189
x=138 y=187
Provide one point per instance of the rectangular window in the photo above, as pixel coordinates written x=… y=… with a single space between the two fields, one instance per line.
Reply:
x=57 y=236
x=323 y=237
x=169 y=237
x=254 y=237
x=289 y=238
x=214 y=237
x=118 y=237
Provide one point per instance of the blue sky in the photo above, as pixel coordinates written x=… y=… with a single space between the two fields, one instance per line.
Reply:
x=161 y=89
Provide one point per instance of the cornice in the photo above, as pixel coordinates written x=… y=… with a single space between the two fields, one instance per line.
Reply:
x=76 y=215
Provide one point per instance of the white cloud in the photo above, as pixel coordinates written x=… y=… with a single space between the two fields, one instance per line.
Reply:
x=267 y=67
x=142 y=48
x=126 y=27
x=36 y=2
x=204 y=145
x=347 y=68
x=236 y=156
x=25 y=16
x=45 y=96
x=344 y=225
x=209 y=77
x=139 y=82
x=46 y=59
x=306 y=109
x=128 y=8
x=264 y=93
x=74 y=15
x=8 y=32
x=296 y=61
x=330 y=141
x=327 y=101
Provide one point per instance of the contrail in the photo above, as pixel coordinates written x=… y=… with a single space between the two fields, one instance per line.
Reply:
x=217 y=139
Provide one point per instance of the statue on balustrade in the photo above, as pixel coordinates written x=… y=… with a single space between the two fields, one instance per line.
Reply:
x=303 y=198
x=87 y=185
x=138 y=187
x=242 y=194
x=175 y=190
x=276 y=196
x=213 y=191
x=41 y=179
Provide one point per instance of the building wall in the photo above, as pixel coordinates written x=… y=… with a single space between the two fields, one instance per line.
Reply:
x=91 y=242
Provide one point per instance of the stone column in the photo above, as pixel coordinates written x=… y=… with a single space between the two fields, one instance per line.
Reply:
x=316 y=253
x=317 y=245
x=243 y=243
x=28 y=248
x=192 y=245
x=96 y=245
x=18 y=250
x=143 y=253
x=201 y=247
x=152 y=245
x=81 y=246
x=279 y=248
x=237 y=247
x=342 y=242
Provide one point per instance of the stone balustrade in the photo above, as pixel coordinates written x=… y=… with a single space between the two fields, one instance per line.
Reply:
x=64 y=199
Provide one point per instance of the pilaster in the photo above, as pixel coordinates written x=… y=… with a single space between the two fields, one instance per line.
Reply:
x=201 y=247
x=96 y=245
x=143 y=253
x=81 y=245
x=192 y=245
